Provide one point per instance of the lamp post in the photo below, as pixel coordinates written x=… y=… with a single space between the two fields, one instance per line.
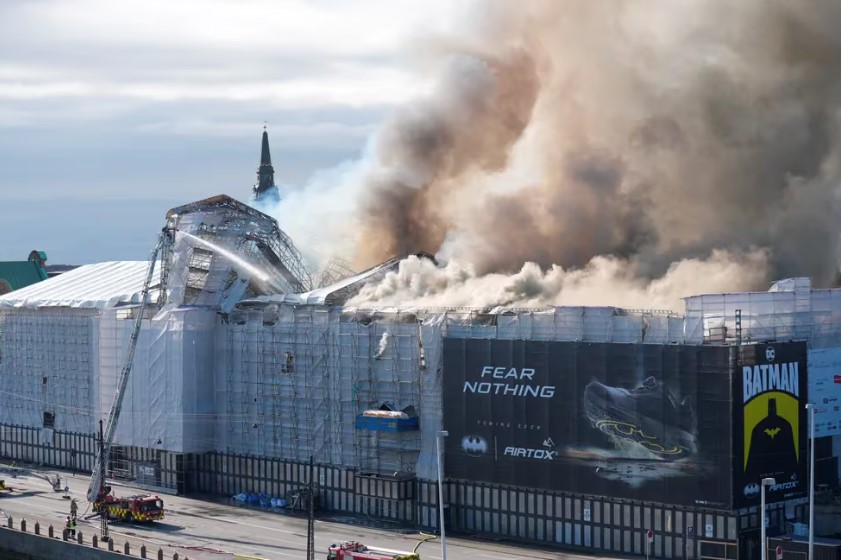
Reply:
x=440 y=436
x=811 y=408
x=765 y=482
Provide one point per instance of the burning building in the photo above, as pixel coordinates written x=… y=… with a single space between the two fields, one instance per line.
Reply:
x=575 y=425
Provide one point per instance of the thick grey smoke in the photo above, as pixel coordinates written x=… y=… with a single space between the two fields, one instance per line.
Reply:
x=629 y=150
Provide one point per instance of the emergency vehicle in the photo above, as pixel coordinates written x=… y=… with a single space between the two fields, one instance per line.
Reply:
x=125 y=508
x=352 y=550
x=142 y=509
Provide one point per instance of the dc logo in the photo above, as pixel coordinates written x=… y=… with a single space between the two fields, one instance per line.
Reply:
x=770 y=353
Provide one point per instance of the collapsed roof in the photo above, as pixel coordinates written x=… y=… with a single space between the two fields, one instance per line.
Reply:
x=222 y=251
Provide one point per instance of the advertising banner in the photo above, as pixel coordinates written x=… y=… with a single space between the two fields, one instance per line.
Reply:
x=769 y=422
x=825 y=390
x=642 y=421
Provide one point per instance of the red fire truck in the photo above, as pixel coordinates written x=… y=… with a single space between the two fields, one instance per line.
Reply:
x=352 y=550
x=130 y=508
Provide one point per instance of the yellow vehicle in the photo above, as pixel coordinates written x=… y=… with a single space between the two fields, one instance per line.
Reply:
x=142 y=509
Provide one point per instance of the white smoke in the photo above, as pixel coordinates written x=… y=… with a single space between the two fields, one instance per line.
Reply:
x=605 y=281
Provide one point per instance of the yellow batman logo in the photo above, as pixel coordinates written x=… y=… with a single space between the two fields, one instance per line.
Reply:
x=772 y=432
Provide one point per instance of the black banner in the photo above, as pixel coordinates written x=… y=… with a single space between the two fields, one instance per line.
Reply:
x=770 y=387
x=647 y=422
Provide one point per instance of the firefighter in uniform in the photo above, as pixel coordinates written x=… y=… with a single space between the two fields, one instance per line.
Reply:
x=69 y=527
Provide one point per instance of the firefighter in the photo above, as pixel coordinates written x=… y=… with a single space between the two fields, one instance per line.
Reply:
x=68 y=527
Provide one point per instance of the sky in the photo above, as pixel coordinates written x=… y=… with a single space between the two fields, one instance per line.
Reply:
x=112 y=112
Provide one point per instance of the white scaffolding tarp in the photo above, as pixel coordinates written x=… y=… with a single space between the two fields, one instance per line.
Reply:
x=169 y=398
x=97 y=286
x=48 y=370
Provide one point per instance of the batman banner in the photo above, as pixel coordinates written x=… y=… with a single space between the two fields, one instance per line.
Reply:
x=769 y=422
x=641 y=421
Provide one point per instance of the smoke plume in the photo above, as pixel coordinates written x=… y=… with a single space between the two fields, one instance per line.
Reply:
x=628 y=153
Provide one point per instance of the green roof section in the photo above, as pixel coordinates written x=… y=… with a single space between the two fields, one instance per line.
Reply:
x=15 y=275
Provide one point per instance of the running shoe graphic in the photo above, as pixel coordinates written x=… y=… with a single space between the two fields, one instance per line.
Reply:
x=648 y=415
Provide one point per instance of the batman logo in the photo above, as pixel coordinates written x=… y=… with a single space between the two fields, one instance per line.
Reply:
x=752 y=489
x=772 y=432
x=474 y=445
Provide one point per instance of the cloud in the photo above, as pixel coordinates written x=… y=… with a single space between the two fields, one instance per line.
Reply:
x=107 y=106
x=284 y=52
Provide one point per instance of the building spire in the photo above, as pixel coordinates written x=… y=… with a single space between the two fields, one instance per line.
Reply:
x=265 y=190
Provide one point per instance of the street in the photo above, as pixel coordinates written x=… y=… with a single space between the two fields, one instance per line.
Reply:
x=202 y=529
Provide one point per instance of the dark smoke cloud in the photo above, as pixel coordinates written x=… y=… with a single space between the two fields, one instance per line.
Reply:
x=654 y=135
x=481 y=107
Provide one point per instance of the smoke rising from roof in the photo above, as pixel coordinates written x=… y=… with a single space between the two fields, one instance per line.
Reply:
x=644 y=138
x=629 y=153
x=603 y=281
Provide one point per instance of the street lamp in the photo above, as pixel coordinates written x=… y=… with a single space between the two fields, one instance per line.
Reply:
x=765 y=482
x=811 y=408
x=440 y=436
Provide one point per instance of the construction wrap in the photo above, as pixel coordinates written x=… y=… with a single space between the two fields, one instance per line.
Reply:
x=97 y=286
x=169 y=397
x=48 y=369
x=273 y=378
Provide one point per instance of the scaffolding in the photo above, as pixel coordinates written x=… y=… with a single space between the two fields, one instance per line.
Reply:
x=790 y=310
x=231 y=252
x=300 y=376
x=48 y=369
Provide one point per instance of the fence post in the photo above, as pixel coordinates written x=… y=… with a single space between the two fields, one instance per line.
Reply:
x=37 y=528
x=143 y=551
x=50 y=532
x=23 y=525
x=79 y=538
x=160 y=554
x=126 y=549
x=10 y=523
x=111 y=545
x=95 y=541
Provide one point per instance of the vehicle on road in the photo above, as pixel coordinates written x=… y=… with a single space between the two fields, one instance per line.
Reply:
x=352 y=550
x=126 y=508
x=142 y=509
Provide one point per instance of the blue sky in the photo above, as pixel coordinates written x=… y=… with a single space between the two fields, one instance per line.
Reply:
x=113 y=112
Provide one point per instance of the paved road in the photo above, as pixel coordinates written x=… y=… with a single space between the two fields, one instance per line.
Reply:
x=203 y=530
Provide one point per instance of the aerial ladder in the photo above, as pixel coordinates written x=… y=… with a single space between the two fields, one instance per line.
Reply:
x=131 y=508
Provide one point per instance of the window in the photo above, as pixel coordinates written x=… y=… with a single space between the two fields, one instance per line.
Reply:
x=49 y=420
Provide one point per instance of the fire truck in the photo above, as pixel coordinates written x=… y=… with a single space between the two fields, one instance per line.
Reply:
x=143 y=509
x=352 y=550
x=124 y=508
